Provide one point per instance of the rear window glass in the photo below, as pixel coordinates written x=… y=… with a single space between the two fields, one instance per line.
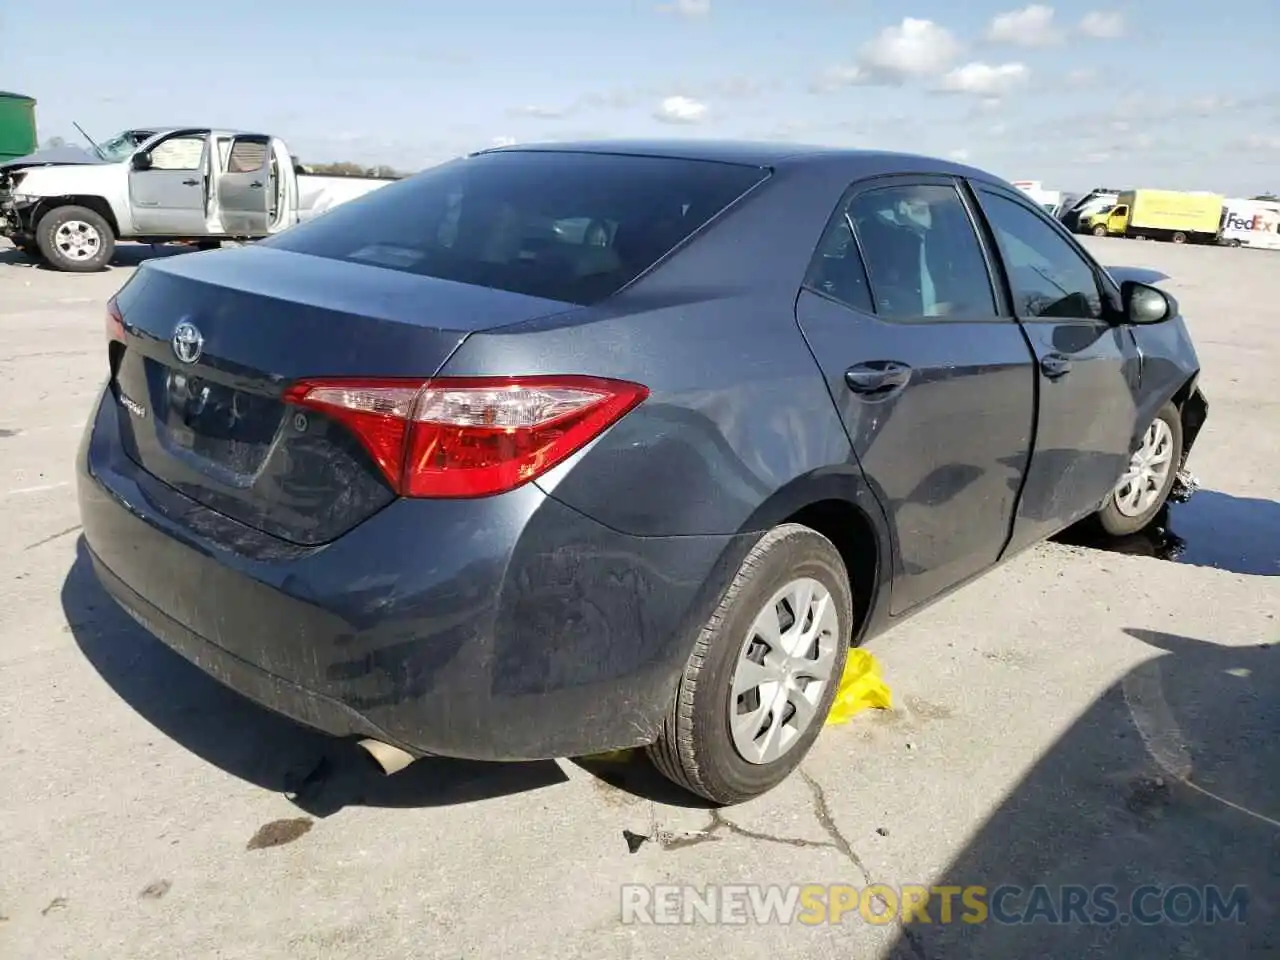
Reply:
x=574 y=227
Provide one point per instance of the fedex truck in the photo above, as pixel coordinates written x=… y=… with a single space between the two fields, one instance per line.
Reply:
x=1251 y=223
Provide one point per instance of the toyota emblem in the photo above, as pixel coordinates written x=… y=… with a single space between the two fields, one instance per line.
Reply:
x=188 y=342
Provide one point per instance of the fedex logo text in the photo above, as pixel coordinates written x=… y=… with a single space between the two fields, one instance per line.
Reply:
x=1258 y=223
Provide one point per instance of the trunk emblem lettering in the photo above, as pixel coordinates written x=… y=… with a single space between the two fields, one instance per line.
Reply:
x=188 y=342
x=133 y=406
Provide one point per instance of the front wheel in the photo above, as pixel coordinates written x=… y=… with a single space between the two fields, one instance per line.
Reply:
x=1145 y=485
x=1099 y=231
x=763 y=673
x=75 y=239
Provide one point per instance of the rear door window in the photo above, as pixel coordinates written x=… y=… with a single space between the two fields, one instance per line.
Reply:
x=923 y=256
x=574 y=227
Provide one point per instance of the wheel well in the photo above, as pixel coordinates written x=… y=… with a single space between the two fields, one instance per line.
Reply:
x=854 y=537
x=97 y=204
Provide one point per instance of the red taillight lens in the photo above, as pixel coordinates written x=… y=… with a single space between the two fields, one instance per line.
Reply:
x=470 y=437
x=115 y=322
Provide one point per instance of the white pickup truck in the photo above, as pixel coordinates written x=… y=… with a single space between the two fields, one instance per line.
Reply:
x=162 y=185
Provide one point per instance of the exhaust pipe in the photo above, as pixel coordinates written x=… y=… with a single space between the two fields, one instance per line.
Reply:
x=390 y=759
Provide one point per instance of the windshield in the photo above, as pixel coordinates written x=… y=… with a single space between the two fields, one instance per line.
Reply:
x=574 y=227
x=121 y=146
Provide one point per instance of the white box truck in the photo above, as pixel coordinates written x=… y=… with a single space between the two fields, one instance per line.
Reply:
x=1251 y=223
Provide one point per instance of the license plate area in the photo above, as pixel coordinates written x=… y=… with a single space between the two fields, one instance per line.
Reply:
x=213 y=421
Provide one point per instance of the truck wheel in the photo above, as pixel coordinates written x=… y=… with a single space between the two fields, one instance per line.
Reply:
x=75 y=239
x=1145 y=485
x=1099 y=231
x=763 y=673
x=1179 y=237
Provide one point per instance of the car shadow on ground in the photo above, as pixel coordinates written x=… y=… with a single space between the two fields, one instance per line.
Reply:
x=1236 y=534
x=1171 y=779
x=126 y=255
x=320 y=774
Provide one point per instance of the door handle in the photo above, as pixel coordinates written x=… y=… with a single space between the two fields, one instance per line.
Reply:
x=1055 y=365
x=877 y=378
x=256 y=185
x=191 y=183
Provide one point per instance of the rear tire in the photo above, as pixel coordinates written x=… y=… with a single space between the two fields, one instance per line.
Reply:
x=698 y=747
x=1179 y=237
x=75 y=239
x=1144 y=488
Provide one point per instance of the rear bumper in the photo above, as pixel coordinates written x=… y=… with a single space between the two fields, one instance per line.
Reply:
x=511 y=628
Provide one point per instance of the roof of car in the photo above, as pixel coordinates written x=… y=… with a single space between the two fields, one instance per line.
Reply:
x=749 y=152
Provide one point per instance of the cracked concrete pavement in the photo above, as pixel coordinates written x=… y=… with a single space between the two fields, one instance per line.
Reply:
x=1077 y=716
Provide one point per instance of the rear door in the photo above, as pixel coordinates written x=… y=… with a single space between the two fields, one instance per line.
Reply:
x=245 y=188
x=1087 y=366
x=934 y=382
x=169 y=199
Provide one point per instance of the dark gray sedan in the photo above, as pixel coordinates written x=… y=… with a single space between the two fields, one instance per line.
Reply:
x=561 y=449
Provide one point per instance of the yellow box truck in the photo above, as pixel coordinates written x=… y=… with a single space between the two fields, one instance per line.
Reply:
x=1174 y=215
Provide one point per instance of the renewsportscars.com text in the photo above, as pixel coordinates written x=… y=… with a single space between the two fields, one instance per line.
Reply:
x=813 y=904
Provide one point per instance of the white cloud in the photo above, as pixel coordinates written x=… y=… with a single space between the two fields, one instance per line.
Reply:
x=504 y=141
x=915 y=48
x=540 y=112
x=1102 y=25
x=1082 y=77
x=833 y=78
x=1031 y=26
x=681 y=110
x=984 y=79
x=960 y=155
x=688 y=8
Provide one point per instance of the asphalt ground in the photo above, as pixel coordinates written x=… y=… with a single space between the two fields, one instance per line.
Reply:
x=1081 y=718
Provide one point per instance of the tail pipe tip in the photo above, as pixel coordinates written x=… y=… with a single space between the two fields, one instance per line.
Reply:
x=390 y=759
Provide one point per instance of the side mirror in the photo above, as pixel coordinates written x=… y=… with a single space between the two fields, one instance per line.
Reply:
x=1145 y=304
x=141 y=161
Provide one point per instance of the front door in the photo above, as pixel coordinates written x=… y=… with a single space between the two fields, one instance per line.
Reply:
x=246 y=188
x=934 y=382
x=1087 y=361
x=169 y=198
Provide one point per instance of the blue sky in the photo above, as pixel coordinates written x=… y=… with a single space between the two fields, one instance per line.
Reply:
x=1173 y=93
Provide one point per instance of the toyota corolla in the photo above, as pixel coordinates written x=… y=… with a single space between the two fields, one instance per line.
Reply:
x=554 y=450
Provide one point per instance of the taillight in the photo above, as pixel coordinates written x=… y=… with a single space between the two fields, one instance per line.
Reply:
x=115 y=322
x=470 y=436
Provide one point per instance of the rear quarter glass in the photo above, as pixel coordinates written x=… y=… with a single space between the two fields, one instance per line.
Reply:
x=572 y=227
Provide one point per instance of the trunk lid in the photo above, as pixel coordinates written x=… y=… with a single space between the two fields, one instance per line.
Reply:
x=204 y=413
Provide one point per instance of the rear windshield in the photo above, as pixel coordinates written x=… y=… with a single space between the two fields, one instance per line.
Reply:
x=574 y=227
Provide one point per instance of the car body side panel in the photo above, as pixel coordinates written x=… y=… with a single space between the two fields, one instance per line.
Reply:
x=1168 y=361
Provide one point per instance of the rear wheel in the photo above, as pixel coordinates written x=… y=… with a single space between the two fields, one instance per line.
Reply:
x=75 y=239
x=763 y=673
x=1144 y=487
x=1179 y=237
